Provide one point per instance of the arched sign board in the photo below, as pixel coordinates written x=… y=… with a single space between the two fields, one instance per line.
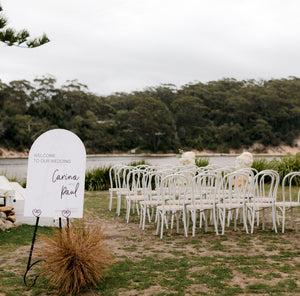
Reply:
x=55 y=176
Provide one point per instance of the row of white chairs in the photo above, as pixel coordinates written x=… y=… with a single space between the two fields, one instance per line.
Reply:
x=216 y=195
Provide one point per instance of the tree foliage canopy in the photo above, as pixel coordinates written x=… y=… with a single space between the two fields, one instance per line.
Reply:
x=18 y=38
x=218 y=115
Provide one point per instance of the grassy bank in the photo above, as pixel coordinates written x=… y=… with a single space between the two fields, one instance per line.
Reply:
x=263 y=263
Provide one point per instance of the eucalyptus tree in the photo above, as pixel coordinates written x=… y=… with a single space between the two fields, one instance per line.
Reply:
x=190 y=115
x=150 y=124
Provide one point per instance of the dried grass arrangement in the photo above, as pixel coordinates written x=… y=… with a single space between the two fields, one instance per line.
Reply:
x=76 y=258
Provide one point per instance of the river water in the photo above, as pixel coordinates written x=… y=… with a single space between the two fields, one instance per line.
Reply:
x=17 y=167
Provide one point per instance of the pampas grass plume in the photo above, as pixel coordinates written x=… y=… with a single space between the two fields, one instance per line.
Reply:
x=76 y=258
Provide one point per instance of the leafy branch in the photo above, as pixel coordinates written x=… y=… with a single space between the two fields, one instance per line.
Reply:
x=12 y=37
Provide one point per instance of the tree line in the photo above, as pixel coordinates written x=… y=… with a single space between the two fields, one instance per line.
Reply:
x=217 y=115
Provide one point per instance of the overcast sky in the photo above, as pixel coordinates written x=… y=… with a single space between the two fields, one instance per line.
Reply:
x=128 y=45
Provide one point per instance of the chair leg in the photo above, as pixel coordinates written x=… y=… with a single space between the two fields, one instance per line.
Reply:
x=128 y=209
x=144 y=217
x=172 y=221
x=273 y=213
x=215 y=221
x=141 y=216
x=188 y=219
x=166 y=221
x=110 y=200
x=200 y=220
x=229 y=214
x=152 y=213
x=177 y=214
x=283 y=219
x=245 y=219
x=205 y=220
x=162 y=224
x=235 y=219
x=263 y=219
x=184 y=223
x=119 y=200
x=137 y=207
x=252 y=221
x=158 y=222
x=193 y=216
x=148 y=214
x=223 y=219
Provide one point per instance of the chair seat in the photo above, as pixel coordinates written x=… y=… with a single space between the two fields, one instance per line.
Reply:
x=135 y=197
x=170 y=207
x=205 y=201
x=288 y=204
x=229 y=205
x=258 y=205
x=261 y=199
x=150 y=202
x=200 y=207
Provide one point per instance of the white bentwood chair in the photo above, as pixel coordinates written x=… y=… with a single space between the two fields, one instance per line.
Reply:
x=151 y=196
x=263 y=197
x=232 y=195
x=117 y=176
x=290 y=196
x=114 y=183
x=203 y=201
x=173 y=195
x=135 y=190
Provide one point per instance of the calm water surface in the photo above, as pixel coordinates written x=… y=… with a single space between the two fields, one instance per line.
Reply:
x=17 y=167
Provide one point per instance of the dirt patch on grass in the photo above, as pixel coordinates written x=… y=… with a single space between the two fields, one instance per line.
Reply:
x=251 y=260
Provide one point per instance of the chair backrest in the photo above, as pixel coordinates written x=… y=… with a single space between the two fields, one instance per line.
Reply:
x=151 y=185
x=251 y=171
x=204 y=188
x=266 y=184
x=114 y=177
x=292 y=181
x=144 y=167
x=174 y=188
x=135 y=179
x=235 y=187
x=122 y=173
x=221 y=172
x=189 y=173
x=166 y=172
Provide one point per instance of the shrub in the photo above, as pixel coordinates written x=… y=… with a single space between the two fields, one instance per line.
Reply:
x=136 y=163
x=283 y=165
x=97 y=179
x=260 y=164
x=286 y=165
x=202 y=162
x=76 y=258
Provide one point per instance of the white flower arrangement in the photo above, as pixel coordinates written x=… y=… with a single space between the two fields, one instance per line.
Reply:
x=187 y=158
x=245 y=160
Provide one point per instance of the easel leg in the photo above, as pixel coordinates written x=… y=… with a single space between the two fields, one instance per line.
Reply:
x=29 y=265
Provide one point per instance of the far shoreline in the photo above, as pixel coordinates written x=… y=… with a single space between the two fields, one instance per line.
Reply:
x=140 y=155
x=279 y=151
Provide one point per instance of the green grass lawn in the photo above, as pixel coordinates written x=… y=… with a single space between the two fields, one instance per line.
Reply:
x=263 y=263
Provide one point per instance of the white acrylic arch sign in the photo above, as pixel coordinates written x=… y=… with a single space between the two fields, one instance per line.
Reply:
x=55 y=176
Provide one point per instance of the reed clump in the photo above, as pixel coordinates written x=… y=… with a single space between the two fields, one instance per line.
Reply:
x=76 y=258
x=284 y=165
x=97 y=179
x=201 y=162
